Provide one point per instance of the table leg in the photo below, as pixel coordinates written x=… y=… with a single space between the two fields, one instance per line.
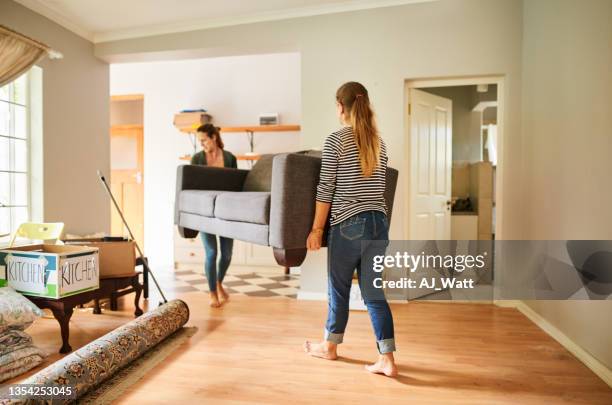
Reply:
x=97 y=310
x=145 y=281
x=63 y=314
x=137 y=290
x=113 y=302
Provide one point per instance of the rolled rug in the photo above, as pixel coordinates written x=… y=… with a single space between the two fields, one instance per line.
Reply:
x=94 y=363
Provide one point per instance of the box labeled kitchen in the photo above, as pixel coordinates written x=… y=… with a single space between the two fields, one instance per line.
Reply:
x=51 y=271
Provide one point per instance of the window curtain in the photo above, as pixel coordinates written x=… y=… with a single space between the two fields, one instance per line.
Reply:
x=17 y=54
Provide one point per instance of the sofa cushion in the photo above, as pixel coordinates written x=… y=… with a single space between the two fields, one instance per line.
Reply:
x=260 y=176
x=201 y=202
x=252 y=207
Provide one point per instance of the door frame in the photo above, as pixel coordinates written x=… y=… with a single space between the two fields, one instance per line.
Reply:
x=499 y=172
x=116 y=131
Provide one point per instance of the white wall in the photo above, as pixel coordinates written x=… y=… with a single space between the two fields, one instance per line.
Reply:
x=235 y=90
x=567 y=127
x=75 y=123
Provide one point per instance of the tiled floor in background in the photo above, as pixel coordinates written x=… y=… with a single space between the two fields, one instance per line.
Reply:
x=251 y=284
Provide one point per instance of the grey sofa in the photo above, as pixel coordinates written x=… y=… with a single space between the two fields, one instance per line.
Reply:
x=272 y=204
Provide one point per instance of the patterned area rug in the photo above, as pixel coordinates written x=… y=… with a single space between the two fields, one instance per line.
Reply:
x=251 y=284
x=130 y=375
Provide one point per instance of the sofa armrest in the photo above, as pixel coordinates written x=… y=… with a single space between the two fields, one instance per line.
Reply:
x=391 y=185
x=197 y=177
x=293 y=199
x=292 y=204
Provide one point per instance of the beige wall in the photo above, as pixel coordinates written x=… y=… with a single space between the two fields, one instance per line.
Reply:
x=567 y=129
x=75 y=123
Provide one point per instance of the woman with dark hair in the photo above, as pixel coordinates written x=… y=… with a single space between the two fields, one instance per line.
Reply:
x=352 y=185
x=213 y=154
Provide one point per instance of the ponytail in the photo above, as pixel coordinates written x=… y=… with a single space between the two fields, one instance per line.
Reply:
x=354 y=98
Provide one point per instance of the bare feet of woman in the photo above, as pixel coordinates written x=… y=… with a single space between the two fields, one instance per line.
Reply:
x=214 y=299
x=222 y=294
x=385 y=365
x=325 y=350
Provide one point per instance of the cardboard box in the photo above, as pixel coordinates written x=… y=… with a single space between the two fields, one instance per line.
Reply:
x=191 y=119
x=52 y=271
x=117 y=259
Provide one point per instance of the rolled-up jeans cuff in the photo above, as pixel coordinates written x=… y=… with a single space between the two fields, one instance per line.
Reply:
x=386 y=345
x=334 y=337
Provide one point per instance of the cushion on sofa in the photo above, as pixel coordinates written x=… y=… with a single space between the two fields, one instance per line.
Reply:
x=201 y=202
x=252 y=207
x=260 y=176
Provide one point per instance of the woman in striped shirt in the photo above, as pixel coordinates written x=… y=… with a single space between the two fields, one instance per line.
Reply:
x=352 y=185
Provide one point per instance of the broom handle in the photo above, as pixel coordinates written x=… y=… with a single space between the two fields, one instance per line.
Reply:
x=144 y=260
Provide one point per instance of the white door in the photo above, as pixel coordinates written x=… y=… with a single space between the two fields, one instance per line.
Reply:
x=430 y=166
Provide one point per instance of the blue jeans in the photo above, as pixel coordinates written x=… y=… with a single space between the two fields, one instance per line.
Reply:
x=344 y=255
x=210 y=267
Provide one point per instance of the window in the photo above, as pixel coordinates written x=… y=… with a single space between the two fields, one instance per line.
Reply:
x=14 y=156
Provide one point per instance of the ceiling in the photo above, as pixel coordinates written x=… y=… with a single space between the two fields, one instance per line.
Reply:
x=107 y=20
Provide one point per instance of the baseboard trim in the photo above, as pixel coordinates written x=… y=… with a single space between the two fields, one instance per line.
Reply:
x=311 y=296
x=356 y=303
x=585 y=357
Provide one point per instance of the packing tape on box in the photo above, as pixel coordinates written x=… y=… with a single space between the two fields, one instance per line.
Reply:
x=99 y=360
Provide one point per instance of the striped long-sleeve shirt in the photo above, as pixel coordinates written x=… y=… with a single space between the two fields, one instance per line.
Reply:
x=341 y=181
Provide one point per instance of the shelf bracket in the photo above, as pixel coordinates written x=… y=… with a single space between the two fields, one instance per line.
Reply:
x=251 y=136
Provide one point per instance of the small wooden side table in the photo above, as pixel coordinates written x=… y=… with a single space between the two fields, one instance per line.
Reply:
x=63 y=308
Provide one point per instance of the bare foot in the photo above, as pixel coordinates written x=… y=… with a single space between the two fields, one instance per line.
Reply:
x=385 y=365
x=324 y=350
x=223 y=295
x=214 y=299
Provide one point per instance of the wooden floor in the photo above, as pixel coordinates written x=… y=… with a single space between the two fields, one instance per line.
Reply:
x=250 y=352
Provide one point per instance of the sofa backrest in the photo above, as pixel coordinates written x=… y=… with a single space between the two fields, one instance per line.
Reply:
x=260 y=176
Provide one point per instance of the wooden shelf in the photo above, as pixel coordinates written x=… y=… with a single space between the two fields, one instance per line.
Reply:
x=256 y=128
x=238 y=157
x=263 y=128
x=248 y=130
x=248 y=157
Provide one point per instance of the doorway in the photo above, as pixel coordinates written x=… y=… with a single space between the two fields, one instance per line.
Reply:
x=127 y=164
x=454 y=138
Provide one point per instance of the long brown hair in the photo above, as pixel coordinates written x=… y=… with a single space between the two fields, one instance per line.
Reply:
x=354 y=98
x=213 y=133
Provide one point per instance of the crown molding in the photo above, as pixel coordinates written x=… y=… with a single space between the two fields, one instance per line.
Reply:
x=41 y=8
x=207 y=23
x=53 y=14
